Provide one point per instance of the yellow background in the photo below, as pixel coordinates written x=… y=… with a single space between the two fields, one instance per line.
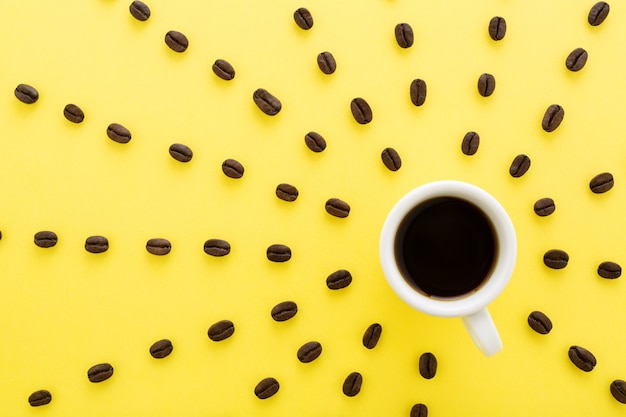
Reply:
x=64 y=310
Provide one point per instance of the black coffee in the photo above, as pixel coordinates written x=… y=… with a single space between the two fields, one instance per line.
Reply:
x=445 y=247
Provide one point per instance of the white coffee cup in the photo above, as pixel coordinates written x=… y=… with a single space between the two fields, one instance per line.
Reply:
x=471 y=306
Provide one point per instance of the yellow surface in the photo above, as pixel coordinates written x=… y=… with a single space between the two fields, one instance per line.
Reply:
x=64 y=310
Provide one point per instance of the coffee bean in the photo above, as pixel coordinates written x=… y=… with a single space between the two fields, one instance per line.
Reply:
x=181 y=152
x=470 y=142
x=139 y=10
x=497 y=28
x=618 y=390
x=544 y=207
x=582 y=358
x=221 y=330
x=286 y=192
x=337 y=207
x=46 y=239
x=118 y=133
x=576 y=60
x=486 y=84
x=326 y=62
x=609 y=270
x=284 y=311
x=391 y=159
x=303 y=18
x=223 y=69
x=556 y=259
x=417 y=91
x=428 y=365
x=339 y=279
x=161 y=349
x=266 y=388
x=278 y=253
x=552 y=117
x=73 y=113
x=309 y=352
x=265 y=101
x=598 y=13
x=372 y=335
x=361 y=110
x=419 y=410
x=602 y=183
x=539 y=322
x=216 y=247
x=158 y=246
x=404 y=35
x=232 y=168
x=315 y=141
x=39 y=398
x=519 y=166
x=26 y=93
x=352 y=384
x=100 y=372
x=176 y=41
x=96 y=244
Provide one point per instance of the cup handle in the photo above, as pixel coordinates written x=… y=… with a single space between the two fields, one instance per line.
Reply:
x=483 y=332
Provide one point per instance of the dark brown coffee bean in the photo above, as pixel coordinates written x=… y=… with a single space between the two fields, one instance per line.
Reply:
x=315 y=141
x=609 y=270
x=602 y=183
x=391 y=159
x=582 y=358
x=339 y=279
x=180 y=152
x=419 y=410
x=618 y=390
x=232 y=168
x=576 y=60
x=265 y=101
x=139 y=10
x=428 y=365
x=176 y=41
x=303 y=18
x=118 y=133
x=223 y=69
x=39 y=398
x=372 y=335
x=286 y=192
x=470 y=142
x=497 y=28
x=161 y=349
x=598 y=13
x=519 y=166
x=539 y=322
x=266 y=388
x=361 y=110
x=309 y=352
x=46 y=239
x=221 y=330
x=326 y=62
x=278 y=253
x=216 y=247
x=352 y=384
x=544 y=207
x=26 y=93
x=552 y=117
x=96 y=244
x=100 y=372
x=404 y=35
x=417 y=91
x=337 y=207
x=486 y=84
x=284 y=311
x=73 y=113
x=556 y=259
x=158 y=246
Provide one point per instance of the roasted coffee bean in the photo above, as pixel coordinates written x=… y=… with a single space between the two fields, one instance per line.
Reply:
x=428 y=365
x=223 y=69
x=326 y=62
x=216 y=247
x=265 y=101
x=339 y=279
x=609 y=270
x=602 y=183
x=180 y=152
x=576 y=60
x=309 y=352
x=176 y=41
x=361 y=110
x=39 y=398
x=470 y=142
x=582 y=358
x=278 y=253
x=486 y=84
x=544 y=207
x=372 y=335
x=284 y=311
x=419 y=410
x=266 y=388
x=232 y=168
x=352 y=384
x=497 y=28
x=391 y=159
x=139 y=10
x=286 y=192
x=519 y=166
x=100 y=372
x=618 y=390
x=221 y=330
x=96 y=244
x=552 y=117
x=404 y=35
x=598 y=13
x=46 y=239
x=417 y=91
x=303 y=18
x=556 y=259
x=539 y=322
x=73 y=113
x=161 y=349
x=118 y=133
x=315 y=141
x=26 y=93
x=158 y=246
x=337 y=207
